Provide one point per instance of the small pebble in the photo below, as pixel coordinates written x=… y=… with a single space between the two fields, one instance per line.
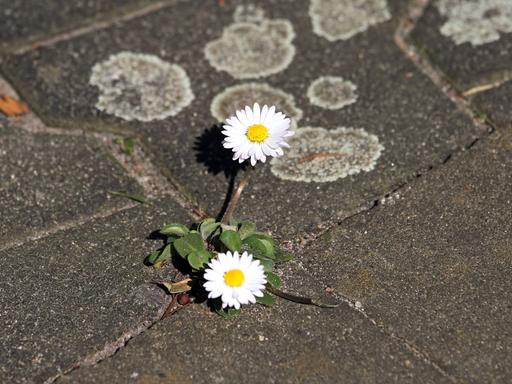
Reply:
x=183 y=299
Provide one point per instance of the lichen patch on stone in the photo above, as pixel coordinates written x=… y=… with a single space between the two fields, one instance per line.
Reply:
x=236 y=97
x=248 y=13
x=342 y=19
x=252 y=50
x=322 y=155
x=477 y=22
x=332 y=92
x=135 y=86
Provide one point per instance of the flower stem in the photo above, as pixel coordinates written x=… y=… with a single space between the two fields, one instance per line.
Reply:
x=236 y=196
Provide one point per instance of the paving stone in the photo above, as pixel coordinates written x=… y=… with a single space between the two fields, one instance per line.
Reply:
x=47 y=179
x=26 y=21
x=475 y=58
x=68 y=295
x=495 y=103
x=417 y=126
x=432 y=263
x=287 y=343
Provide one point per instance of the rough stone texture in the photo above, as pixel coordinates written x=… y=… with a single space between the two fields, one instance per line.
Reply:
x=466 y=65
x=288 y=343
x=433 y=264
x=68 y=295
x=418 y=129
x=26 y=21
x=495 y=103
x=46 y=179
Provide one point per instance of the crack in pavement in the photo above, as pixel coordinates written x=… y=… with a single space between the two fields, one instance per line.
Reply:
x=93 y=26
x=111 y=348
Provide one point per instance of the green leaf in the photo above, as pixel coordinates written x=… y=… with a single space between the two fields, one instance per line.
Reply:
x=233 y=222
x=150 y=259
x=267 y=299
x=189 y=243
x=282 y=257
x=208 y=227
x=197 y=259
x=262 y=244
x=273 y=280
x=228 y=313
x=247 y=228
x=160 y=255
x=268 y=265
x=174 y=229
x=127 y=144
x=231 y=240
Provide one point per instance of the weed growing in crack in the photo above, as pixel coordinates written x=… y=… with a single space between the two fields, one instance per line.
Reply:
x=230 y=263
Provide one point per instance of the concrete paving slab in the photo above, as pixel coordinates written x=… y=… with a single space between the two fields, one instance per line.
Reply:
x=495 y=103
x=26 y=21
x=432 y=263
x=68 y=295
x=287 y=343
x=468 y=40
x=48 y=179
x=397 y=107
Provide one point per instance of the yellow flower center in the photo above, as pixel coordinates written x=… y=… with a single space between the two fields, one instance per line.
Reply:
x=257 y=133
x=234 y=278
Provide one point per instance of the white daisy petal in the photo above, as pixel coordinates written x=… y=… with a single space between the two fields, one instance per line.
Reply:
x=256 y=133
x=242 y=118
x=249 y=114
x=236 y=278
x=264 y=112
x=257 y=111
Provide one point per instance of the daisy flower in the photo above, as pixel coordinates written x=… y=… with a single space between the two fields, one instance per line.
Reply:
x=236 y=279
x=256 y=133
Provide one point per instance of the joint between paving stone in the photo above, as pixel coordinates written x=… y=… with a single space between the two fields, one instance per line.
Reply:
x=353 y=304
x=401 y=38
x=308 y=238
x=94 y=25
x=356 y=306
x=63 y=226
x=111 y=348
x=155 y=183
x=487 y=126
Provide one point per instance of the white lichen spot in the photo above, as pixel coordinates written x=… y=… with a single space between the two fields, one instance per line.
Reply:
x=477 y=22
x=342 y=19
x=135 y=86
x=248 y=13
x=332 y=92
x=237 y=97
x=251 y=50
x=321 y=155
